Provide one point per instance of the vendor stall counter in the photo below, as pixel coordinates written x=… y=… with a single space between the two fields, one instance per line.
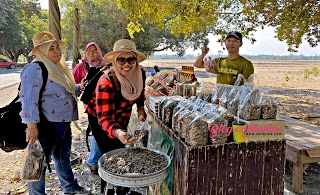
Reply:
x=246 y=168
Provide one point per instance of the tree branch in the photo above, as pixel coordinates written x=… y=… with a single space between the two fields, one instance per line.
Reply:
x=162 y=49
x=270 y=12
x=276 y=12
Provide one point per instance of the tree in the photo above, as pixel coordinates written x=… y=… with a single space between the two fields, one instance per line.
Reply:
x=293 y=20
x=20 y=21
x=103 y=22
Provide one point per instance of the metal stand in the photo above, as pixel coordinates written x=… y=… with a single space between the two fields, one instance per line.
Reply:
x=152 y=189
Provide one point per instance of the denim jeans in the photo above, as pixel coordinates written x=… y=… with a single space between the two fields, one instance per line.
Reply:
x=59 y=143
x=94 y=153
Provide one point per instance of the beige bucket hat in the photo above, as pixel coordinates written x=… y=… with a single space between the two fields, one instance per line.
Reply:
x=124 y=45
x=43 y=38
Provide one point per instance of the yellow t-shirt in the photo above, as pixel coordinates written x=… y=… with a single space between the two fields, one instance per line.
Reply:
x=228 y=70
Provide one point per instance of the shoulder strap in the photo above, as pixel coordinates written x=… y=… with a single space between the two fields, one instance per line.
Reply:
x=44 y=78
x=87 y=66
x=114 y=80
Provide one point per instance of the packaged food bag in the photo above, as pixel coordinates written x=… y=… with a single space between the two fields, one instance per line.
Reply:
x=269 y=108
x=33 y=162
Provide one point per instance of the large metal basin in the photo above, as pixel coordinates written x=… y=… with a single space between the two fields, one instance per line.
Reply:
x=132 y=179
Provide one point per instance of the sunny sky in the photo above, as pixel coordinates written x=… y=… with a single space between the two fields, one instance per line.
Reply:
x=266 y=43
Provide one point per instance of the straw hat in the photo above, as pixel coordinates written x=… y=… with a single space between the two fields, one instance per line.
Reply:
x=43 y=38
x=124 y=45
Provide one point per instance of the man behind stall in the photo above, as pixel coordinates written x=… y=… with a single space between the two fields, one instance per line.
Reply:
x=227 y=69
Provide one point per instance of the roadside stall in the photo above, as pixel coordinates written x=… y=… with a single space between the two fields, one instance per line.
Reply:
x=210 y=153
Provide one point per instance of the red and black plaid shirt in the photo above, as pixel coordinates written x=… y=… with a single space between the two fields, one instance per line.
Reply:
x=110 y=107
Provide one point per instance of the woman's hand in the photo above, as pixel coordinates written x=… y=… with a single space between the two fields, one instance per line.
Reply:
x=142 y=114
x=32 y=133
x=122 y=136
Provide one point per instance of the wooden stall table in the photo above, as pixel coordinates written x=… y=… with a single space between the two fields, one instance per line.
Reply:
x=246 y=168
x=303 y=147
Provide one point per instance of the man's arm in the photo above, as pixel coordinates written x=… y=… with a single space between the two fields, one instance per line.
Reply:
x=199 y=62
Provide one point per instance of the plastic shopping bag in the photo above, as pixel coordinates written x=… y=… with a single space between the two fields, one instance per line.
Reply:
x=33 y=162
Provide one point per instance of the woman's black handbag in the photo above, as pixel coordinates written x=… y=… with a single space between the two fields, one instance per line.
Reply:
x=12 y=131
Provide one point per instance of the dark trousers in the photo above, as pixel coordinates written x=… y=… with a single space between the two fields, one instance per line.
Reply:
x=105 y=143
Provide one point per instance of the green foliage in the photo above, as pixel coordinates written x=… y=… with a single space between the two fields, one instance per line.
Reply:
x=103 y=22
x=287 y=77
x=20 y=21
x=314 y=71
x=294 y=20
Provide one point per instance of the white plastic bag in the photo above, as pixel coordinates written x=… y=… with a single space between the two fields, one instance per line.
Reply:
x=208 y=58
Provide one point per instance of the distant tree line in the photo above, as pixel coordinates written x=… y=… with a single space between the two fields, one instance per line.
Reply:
x=250 y=57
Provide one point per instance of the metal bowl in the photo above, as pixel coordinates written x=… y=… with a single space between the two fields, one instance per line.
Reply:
x=132 y=179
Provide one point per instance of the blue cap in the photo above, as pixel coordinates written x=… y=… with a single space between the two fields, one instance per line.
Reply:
x=235 y=34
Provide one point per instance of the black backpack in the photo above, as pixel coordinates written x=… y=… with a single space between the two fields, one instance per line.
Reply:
x=12 y=133
x=90 y=82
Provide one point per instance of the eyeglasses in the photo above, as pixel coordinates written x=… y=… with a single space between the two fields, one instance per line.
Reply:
x=93 y=51
x=130 y=60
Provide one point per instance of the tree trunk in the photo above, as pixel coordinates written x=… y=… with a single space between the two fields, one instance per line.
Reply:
x=16 y=56
x=29 y=59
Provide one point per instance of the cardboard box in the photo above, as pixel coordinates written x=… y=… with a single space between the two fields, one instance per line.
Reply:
x=262 y=130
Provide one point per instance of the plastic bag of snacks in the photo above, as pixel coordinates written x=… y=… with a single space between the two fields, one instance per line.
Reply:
x=180 y=122
x=234 y=104
x=223 y=102
x=250 y=105
x=168 y=108
x=208 y=59
x=161 y=104
x=251 y=82
x=179 y=89
x=269 y=108
x=197 y=132
x=206 y=90
x=183 y=118
x=33 y=162
x=217 y=127
x=221 y=88
x=233 y=92
x=180 y=107
x=149 y=81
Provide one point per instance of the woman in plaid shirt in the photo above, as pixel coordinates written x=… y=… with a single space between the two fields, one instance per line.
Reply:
x=110 y=108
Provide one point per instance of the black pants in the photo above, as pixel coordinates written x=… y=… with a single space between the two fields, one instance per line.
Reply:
x=105 y=143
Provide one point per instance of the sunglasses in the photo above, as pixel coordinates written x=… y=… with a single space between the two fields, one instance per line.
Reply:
x=130 y=60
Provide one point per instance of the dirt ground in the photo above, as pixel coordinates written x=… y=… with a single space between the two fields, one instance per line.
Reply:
x=298 y=97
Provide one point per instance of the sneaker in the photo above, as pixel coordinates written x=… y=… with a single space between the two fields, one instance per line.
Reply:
x=80 y=190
